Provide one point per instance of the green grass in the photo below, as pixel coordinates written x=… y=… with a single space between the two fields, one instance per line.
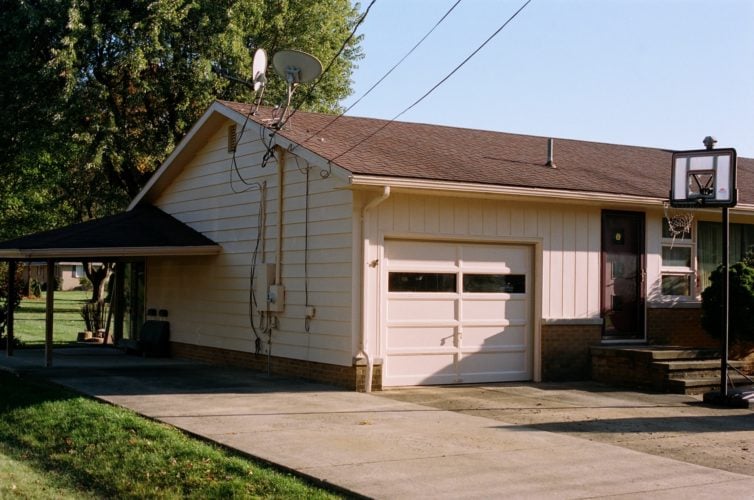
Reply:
x=29 y=325
x=80 y=445
x=19 y=480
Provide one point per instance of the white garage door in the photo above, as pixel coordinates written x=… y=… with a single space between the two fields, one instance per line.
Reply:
x=457 y=313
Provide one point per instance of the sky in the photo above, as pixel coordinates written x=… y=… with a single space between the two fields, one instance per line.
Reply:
x=657 y=73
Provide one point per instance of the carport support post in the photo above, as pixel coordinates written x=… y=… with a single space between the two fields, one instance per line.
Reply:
x=9 y=313
x=118 y=302
x=49 y=306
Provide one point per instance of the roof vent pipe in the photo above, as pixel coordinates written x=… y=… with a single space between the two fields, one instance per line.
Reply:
x=550 y=153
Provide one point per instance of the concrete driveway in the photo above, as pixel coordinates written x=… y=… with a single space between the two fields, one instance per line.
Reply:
x=513 y=441
x=666 y=425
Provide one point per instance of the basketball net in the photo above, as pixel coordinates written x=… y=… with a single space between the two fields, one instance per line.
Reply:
x=679 y=221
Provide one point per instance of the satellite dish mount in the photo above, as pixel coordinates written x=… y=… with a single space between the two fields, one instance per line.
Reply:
x=295 y=67
x=258 y=80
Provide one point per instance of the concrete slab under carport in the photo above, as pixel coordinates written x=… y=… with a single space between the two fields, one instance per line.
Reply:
x=377 y=446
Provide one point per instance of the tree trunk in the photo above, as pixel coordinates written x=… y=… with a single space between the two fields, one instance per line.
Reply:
x=98 y=276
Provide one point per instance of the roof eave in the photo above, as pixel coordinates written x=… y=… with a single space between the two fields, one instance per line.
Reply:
x=486 y=190
x=89 y=253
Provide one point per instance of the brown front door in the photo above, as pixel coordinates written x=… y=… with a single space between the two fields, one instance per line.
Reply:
x=623 y=275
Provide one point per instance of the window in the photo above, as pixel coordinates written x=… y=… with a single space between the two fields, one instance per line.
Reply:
x=689 y=259
x=494 y=283
x=710 y=247
x=678 y=260
x=78 y=271
x=422 y=282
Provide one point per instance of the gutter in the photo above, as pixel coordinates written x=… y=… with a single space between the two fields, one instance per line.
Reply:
x=466 y=188
x=363 y=347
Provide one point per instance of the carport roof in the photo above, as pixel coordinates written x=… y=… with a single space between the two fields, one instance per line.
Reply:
x=141 y=232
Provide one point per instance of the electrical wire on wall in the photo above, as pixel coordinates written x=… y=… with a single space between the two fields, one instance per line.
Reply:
x=264 y=327
x=307 y=316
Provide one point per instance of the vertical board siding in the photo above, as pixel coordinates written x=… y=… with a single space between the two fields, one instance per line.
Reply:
x=208 y=297
x=569 y=236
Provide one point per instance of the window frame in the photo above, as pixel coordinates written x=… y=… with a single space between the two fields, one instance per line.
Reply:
x=689 y=272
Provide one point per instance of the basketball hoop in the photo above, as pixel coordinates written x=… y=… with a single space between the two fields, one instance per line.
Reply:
x=679 y=221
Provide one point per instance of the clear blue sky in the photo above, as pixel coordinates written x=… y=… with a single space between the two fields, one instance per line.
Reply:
x=659 y=73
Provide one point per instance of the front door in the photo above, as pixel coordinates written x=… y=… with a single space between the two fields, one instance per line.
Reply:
x=623 y=275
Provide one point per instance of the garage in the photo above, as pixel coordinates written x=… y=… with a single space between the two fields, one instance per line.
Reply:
x=457 y=313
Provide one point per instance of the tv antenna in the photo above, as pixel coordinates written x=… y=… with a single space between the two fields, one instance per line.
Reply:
x=258 y=81
x=295 y=67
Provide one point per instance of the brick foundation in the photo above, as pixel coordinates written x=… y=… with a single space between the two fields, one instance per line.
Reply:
x=348 y=377
x=565 y=350
x=679 y=327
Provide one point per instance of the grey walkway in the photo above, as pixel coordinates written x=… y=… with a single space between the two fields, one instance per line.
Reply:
x=373 y=445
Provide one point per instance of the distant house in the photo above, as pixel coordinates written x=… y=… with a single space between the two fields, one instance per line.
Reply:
x=359 y=252
x=68 y=275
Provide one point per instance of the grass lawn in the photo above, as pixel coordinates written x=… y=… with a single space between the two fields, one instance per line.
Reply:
x=29 y=326
x=56 y=444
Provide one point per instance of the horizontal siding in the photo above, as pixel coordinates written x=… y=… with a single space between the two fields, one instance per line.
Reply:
x=569 y=235
x=208 y=297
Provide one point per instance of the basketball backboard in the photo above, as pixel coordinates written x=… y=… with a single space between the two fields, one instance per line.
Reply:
x=704 y=178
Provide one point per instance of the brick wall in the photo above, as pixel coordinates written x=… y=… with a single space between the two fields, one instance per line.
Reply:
x=679 y=327
x=565 y=351
x=348 y=377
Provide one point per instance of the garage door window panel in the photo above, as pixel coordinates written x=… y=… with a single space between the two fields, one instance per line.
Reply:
x=422 y=282
x=494 y=283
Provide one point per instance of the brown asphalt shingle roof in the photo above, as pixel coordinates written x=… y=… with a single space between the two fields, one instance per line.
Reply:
x=421 y=151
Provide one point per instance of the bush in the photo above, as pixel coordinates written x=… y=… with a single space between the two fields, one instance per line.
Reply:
x=85 y=284
x=36 y=288
x=741 y=299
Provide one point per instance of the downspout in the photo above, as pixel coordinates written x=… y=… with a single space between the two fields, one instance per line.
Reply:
x=363 y=351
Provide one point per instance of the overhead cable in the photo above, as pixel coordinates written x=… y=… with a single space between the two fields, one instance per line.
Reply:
x=357 y=101
x=493 y=35
x=330 y=64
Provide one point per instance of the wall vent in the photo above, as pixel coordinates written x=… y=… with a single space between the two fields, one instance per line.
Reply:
x=232 y=138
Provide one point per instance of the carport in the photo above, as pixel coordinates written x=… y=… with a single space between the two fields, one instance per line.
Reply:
x=131 y=236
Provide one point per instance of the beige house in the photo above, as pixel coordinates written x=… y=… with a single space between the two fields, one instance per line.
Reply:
x=375 y=254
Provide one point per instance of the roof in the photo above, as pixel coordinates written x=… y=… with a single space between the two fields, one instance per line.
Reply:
x=441 y=153
x=143 y=231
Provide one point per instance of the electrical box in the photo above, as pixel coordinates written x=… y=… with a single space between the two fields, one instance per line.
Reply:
x=276 y=298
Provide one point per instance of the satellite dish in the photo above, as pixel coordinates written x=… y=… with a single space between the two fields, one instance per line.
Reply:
x=296 y=66
x=258 y=69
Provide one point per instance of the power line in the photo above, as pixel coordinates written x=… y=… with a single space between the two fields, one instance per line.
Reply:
x=330 y=64
x=493 y=35
x=388 y=72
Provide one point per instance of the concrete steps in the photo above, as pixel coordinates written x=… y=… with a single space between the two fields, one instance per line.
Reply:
x=669 y=369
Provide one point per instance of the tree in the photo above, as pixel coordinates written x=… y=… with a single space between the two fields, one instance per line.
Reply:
x=99 y=92
x=98 y=276
x=6 y=299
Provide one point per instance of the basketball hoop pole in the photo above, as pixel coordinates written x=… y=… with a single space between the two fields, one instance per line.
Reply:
x=725 y=306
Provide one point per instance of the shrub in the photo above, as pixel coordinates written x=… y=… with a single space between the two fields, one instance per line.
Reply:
x=85 y=284
x=741 y=299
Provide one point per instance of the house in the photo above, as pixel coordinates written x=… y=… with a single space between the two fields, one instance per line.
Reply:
x=68 y=275
x=372 y=254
